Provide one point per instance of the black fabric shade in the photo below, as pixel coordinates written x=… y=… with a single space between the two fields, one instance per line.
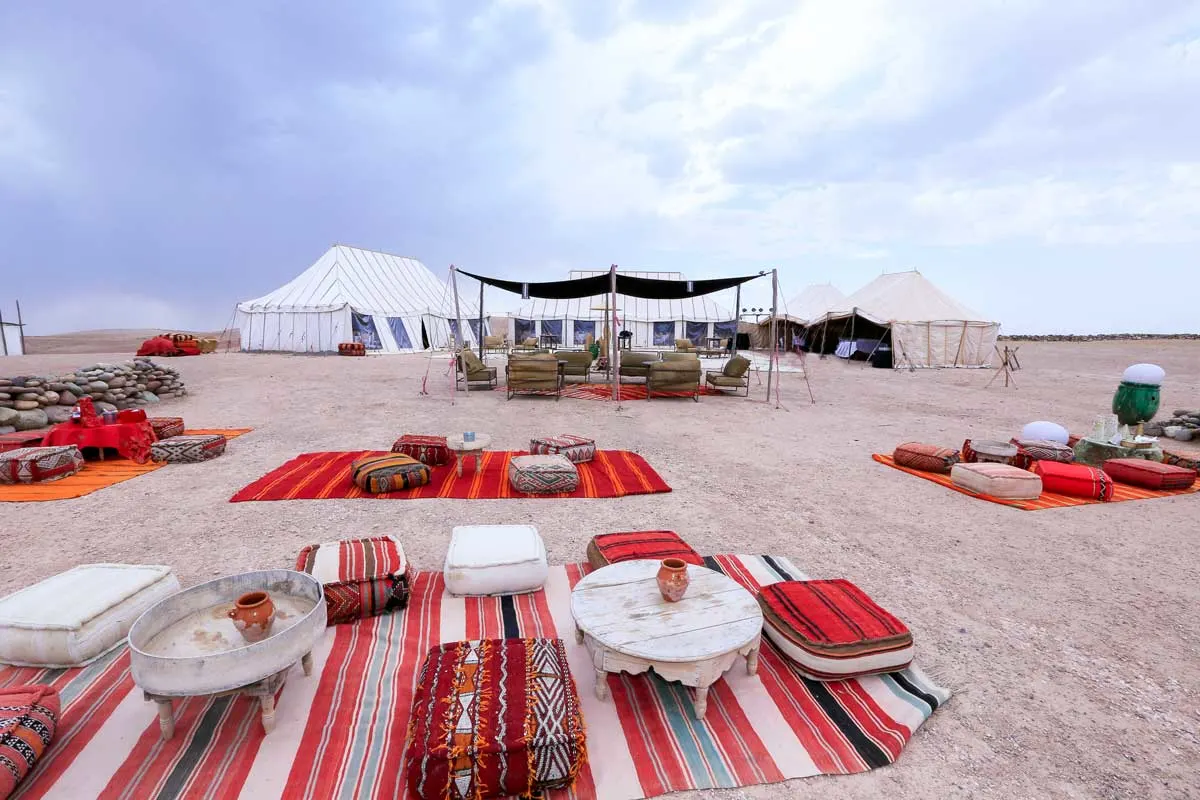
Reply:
x=649 y=288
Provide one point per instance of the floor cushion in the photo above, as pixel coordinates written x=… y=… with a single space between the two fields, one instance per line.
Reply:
x=166 y=427
x=1074 y=480
x=1031 y=450
x=1149 y=474
x=832 y=630
x=28 y=720
x=610 y=548
x=495 y=559
x=494 y=718
x=40 y=464
x=542 y=474
x=431 y=450
x=577 y=449
x=925 y=457
x=76 y=616
x=388 y=473
x=1002 y=481
x=189 y=449
x=1181 y=461
x=20 y=439
x=361 y=577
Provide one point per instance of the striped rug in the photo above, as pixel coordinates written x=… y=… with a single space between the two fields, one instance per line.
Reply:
x=321 y=476
x=340 y=732
x=1122 y=491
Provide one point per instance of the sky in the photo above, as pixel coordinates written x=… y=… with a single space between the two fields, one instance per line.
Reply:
x=1040 y=162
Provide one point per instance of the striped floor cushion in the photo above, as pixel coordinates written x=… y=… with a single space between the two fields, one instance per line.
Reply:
x=1031 y=450
x=831 y=629
x=610 y=548
x=388 y=473
x=40 y=464
x=925 y=457
x=1074 y=480
x=431 y=450
x=361 y=577
x=1149 y=474
x=1181 y=461
x=543 y=474
x=1003 y=481
x=188 y=449
x=494 y=718
x=576 y=448
x=28 y=719
x=166 y=427
x=20 y=439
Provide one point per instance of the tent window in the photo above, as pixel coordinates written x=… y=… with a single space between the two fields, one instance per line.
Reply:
x=424 y=336
x=473 y=324
x=725 y=330
x=582 y=329
x=454 y=331
x=363 y=326
x=553 y=327
x=697 y=332
x=664 y=333
x=399 y=333
x=523 y=329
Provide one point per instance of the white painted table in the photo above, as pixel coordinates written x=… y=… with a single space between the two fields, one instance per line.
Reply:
x=627 y=626
x=463 y=450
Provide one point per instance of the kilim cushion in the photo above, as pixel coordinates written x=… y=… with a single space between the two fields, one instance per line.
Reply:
x=1181 y=461
x=361 y=577
x=188 y=449
x=495 y=559
x=39 y=464
x=1075 y=480
x=925 y=457
x=28 y=720
x=543 y=474
x=832 y=630
x=431 y=450
x=609 y=548
x=166 y=427
x=494 y=718
x=1149 y=474
x=388 y=473
x=577 y=449
x=1031 y=450
x=1002 y=481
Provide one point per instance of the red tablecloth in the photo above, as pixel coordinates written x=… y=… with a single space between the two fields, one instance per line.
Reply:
x=130 y=439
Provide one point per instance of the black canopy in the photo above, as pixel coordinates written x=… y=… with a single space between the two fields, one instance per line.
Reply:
x=650 y=288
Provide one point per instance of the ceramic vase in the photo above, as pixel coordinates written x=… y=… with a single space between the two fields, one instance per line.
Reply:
x=673 y=579
x=252 y=615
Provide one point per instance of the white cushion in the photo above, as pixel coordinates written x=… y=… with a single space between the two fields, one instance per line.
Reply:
x=74 y=617
x=822 y=666
x=1047 y=431
x=495 y=559
x=1152 y=374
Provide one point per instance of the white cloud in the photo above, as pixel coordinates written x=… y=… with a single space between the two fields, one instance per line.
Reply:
x=26 y=148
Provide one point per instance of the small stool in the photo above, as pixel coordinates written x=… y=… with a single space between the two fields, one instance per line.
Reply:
x=577 y=449
x=543 y=474
x=361 y=577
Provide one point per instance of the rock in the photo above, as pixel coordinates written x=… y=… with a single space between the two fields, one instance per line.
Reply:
x=31 y=420
x=102 y=406
x=28 y=395
x=33 y=382
x=5 y=395
x=150 y=398
x=106 y=376
x=74 y=388
x=52 y=398
x=57 y=414
x=1152 y=429
x=56 y=386
x=1185 y=434
x=116 y=383
x=7 y=403
x=154 y=386
x=67 y=398
x=97 y=386
x=26 y=405
x=8 y=417
x=1181 y=412
x=7 y=429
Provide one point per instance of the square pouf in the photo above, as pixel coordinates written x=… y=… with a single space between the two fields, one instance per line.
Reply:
x=388 y=473
x=542 y=474
x=831 y=630
x=40 y=464
x=28 y=721
x=495 y=559
x=1074 y=480
x=925 y=457
x=1149 y=474
x=431 y=450
x=577 y=449
x=494 y=718
x=610 y=548
x=361 y=577
x=188 y=449
x=73 y=617
x=166 y=427
x=1002 y=481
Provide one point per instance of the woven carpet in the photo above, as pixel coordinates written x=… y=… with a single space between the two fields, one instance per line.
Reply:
x=94 y=476
x=1122 y=491
x=340 y=732
x=629 y=391
x=322 y=476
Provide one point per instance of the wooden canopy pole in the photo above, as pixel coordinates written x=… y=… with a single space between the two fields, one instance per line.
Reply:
x=774 y=338
x=4 y=341
x=737 y=318
x=458 y=317
x=481 y=355
x=615 y=364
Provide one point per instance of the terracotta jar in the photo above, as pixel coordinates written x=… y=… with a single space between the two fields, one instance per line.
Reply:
x=252 y=615
x=673 y=579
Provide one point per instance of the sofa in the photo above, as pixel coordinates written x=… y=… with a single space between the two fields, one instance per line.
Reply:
x=495 y=344
x=536 y=373
x=471 y=369
x=684 y=346
x=678 y=376
x=734 y=375
x=579 y=363
x=636 y=364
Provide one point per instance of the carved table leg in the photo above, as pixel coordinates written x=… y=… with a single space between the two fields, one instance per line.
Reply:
x=267 y=701
x=701 y=704
x=601 y=684
x=578 y=635
x=458 y=459
x=166 y=719
x=752 y=662
x=306 y=663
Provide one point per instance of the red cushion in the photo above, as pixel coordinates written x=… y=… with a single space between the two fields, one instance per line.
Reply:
x=832 y=616
x=610 y=548
x=361 y=577
x=431 y=450
x=925 y=457
x=1074 y=480
x=1149 y=474
x=28 y=719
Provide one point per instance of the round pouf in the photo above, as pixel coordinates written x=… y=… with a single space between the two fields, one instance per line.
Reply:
x=1150 y=374
x=388 y=473
x=1045 y=431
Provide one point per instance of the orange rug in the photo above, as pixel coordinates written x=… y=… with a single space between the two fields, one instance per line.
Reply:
x=323 y=476
x=1122 y=491
x=94 y=476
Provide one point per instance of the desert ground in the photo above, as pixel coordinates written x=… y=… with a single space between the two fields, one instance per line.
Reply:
x=1069 y=637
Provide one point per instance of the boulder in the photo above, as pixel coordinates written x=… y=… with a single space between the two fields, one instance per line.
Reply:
x=116 y=383
x=8 y=417
x=57 y=414
x=26 y=405
x=67 y=398
x=7 y=429
x=52 y=398
x=97 y=386
x=150 y=398
x=102 y=406
x=31 y=420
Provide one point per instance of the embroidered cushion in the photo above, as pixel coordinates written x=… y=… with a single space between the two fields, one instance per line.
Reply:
x=1180 y=461
x=609 y=548
x=832 y=630
x=40 y=464
x=1149 y=474
x=494 y=718
x=431 y=450
x=166 y=427
x=188 y=449
x=388 y=473
x=28 y=720
x=1075 y=480
x=1031 y=450
x=925 y=457
x=1002 y=481
x=361 y=577
x=543 y=474
x=577 y=449
x=495 y=559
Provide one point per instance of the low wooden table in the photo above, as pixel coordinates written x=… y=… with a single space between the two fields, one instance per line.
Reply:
x=627 y=626
x=464 y=450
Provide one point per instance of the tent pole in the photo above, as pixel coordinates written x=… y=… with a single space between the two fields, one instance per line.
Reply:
x=481 y=323
x=737 y=318
x=21 y=327
x=458 y=316
x=4 y=341
x=774 y=341
x=615 y=364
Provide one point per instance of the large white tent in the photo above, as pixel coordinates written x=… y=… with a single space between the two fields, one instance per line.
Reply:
x=813 y=303
x=389 y=303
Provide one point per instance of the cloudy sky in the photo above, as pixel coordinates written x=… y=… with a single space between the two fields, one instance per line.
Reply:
x=1038 y=160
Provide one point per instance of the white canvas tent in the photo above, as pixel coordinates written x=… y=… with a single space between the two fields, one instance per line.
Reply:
x=813 y=303
x=12 y=337
x=390 y=303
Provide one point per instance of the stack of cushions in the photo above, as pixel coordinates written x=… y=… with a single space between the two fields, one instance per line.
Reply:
x=1031 y=450
x=1149 y=474
x=28 y=720
x=431 y=450
x=361 y=577
x=925 y=457
x=494 y=718
x=188 y=449
x=352 y=349
x=1002 y=481
x=831 y=630
x=577 y=449
x=610 y=548
x=388 y=473
x=495 y=560
x=1074 y=480
x=542 y=474
x=166 y=427
x=40 y=464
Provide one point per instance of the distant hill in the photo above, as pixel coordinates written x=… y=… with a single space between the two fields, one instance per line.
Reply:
x=113 y=341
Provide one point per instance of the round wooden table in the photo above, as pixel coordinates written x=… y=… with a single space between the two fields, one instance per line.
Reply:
x=627 y=626
x=463 y=450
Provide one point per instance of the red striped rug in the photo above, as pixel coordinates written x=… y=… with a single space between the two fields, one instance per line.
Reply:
x=321 y=476
x=340 y=732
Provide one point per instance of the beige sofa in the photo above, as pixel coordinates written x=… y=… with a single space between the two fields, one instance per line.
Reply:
x=472 y=370
x=734 y=375
x=579 y=363
x=677 y=376
x=537 y=373
x=636 y=364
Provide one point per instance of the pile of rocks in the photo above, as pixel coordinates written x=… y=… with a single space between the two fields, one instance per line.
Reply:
x=1183 y=426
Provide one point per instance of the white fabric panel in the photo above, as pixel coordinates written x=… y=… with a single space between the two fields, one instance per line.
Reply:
x=943 y=343
x=12 y=340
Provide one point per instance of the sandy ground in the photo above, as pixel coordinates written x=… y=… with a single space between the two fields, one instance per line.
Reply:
x=1069 y=637
x=110 y=341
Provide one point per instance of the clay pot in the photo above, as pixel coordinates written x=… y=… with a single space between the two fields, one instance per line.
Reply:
x=252 y=615
x=673 y=579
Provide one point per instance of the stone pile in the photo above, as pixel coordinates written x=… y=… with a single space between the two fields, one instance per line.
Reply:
x=1183 y=426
